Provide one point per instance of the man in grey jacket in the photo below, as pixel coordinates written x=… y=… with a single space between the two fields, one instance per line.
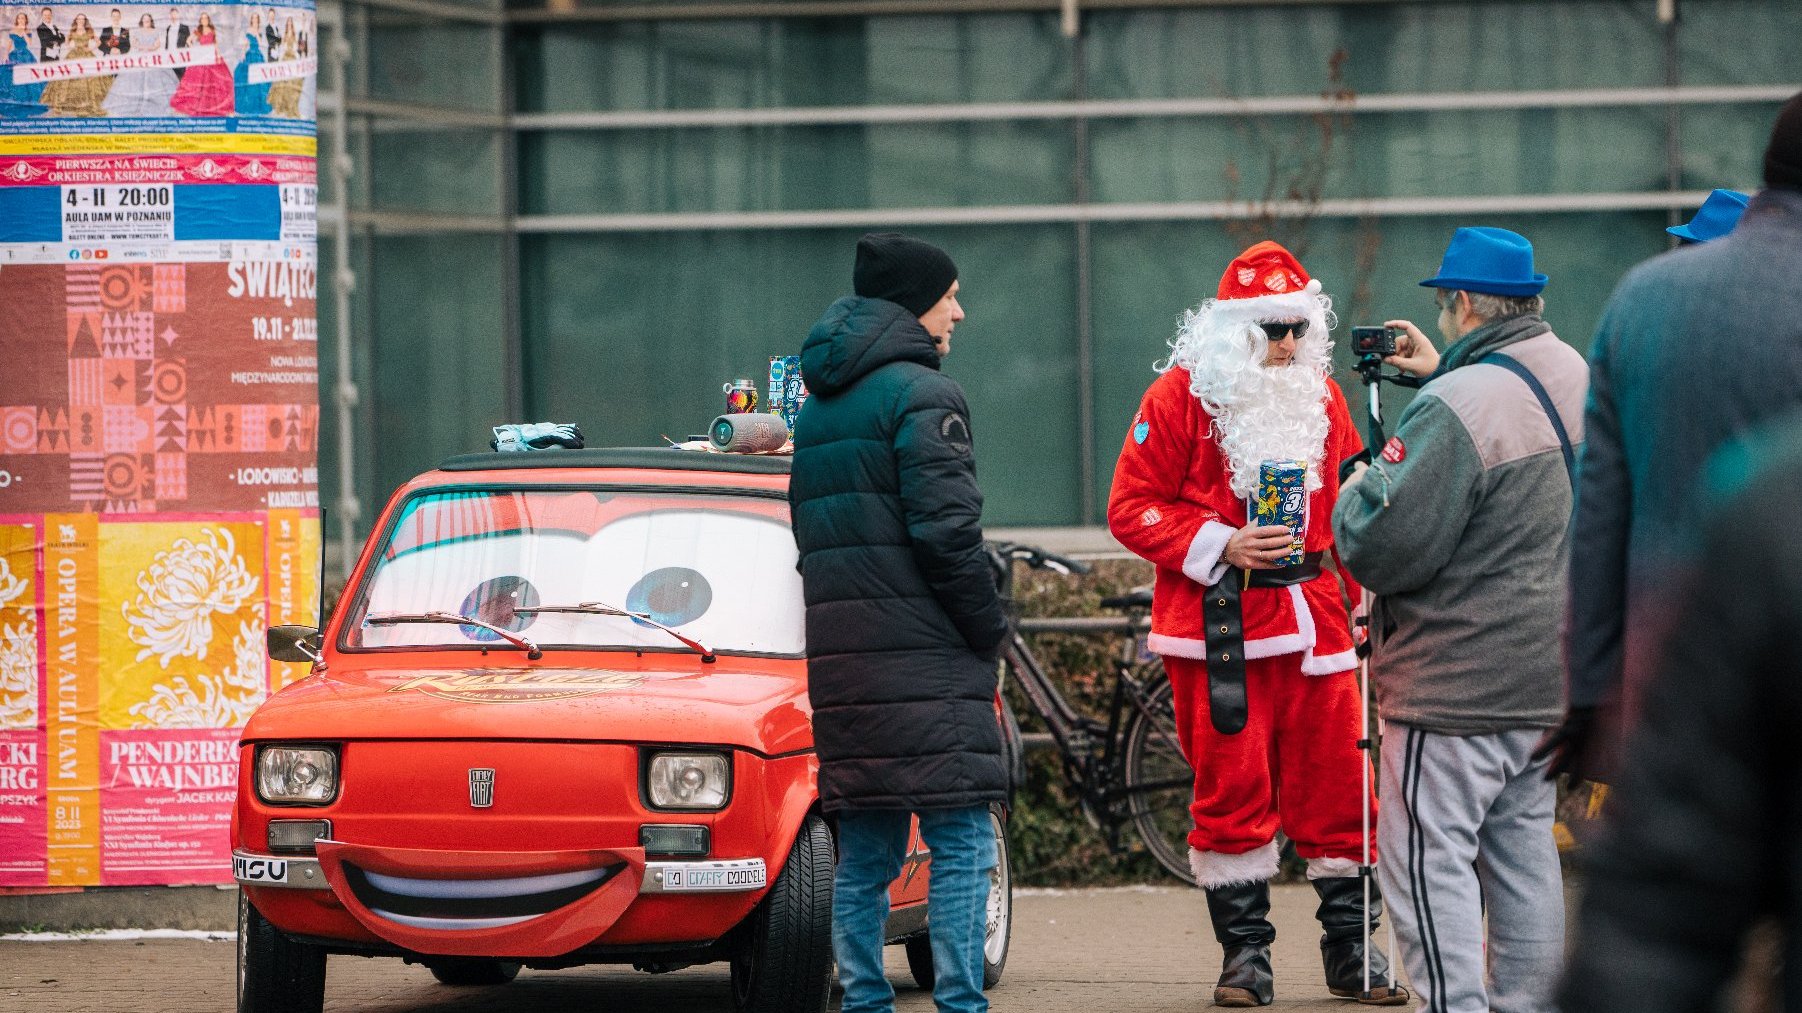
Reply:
x=1661 y=405
x=1460 y=528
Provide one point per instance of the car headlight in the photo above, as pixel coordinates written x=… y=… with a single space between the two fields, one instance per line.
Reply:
x=297 y=775
x=688 y=781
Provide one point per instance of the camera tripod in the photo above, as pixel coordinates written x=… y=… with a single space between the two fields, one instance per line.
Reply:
x=1370 y=371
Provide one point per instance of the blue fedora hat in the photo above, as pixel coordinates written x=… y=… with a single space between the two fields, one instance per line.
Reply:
x=1495 y=261
x=1715 y=218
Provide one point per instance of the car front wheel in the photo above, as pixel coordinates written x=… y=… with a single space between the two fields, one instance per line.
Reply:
x=996 y=933
x=784 y=961
x=275 y=973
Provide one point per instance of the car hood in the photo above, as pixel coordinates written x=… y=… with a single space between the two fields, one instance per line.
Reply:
x=754 y=704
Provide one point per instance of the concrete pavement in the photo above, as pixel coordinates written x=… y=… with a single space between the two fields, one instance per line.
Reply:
x=1132 y=950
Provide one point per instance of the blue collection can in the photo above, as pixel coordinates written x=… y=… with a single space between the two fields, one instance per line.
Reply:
x=1283 y=499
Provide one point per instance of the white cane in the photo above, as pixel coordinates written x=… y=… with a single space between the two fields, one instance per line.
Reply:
x=1369 y=745
x=1364 y=743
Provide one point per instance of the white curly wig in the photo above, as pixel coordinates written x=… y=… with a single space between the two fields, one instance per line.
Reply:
x=1261 y=413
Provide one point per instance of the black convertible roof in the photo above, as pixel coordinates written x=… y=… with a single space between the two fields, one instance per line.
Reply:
x=666 y=458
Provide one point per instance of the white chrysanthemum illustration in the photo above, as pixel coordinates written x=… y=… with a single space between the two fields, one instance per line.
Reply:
x=172 y=615
x=225 y=700
x=18 y=673
x=10 y=586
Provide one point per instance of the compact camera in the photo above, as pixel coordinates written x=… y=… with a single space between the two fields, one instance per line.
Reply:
x=1378 y=342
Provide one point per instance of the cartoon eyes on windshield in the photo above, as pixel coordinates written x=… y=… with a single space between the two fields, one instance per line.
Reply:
x=673 y=595
x=495 y=601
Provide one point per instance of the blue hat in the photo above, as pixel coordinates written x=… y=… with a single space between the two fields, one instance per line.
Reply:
x=1715 y=218
x=1494 y=261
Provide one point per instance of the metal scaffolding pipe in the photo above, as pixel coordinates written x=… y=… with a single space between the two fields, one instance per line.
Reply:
x=1116 y=212
x=344 y=282
x=1269 y=105
x=762 y=9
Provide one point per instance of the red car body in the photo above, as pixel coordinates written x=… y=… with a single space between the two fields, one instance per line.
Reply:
x=489 y=808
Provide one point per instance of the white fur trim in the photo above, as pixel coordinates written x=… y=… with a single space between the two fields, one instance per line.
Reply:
x=1311 y=663
x=1331 y=868
x=1304 y=617
x=1302 y=304
x=1197 y=648
x=1266 y=647
x=1270 y=647
x=1203 y=564
x=1331 y=664
x=1214 y=868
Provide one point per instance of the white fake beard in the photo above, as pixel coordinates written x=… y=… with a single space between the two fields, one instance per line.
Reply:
x=1261 y=413
x=1280 y=417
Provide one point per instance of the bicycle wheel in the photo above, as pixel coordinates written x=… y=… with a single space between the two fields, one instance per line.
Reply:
x=1159 y=782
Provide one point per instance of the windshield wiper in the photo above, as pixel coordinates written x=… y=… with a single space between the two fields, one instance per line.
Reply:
x=601 y=608
x=390 y=618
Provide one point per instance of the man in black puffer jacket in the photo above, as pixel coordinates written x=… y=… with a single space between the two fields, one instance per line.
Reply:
x=903 y=619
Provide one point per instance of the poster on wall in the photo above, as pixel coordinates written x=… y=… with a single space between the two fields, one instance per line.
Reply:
x=158 y=423
x=124 y=69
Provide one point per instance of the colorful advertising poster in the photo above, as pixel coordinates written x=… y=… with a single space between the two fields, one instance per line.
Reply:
x=159 y=421
x=22 y=829
x=138 y=69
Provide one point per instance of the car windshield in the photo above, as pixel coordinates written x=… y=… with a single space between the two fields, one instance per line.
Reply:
x=719 y=568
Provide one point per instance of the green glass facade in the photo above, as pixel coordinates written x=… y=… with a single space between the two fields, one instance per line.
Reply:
x=616 y=216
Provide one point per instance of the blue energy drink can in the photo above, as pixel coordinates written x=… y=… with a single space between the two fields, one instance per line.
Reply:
x=1282 y=498
x=787 y=392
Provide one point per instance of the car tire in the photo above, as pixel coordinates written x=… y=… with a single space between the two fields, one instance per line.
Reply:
x=469 y=971
x=1000 y=920
x=276 y=974
x=783 y=962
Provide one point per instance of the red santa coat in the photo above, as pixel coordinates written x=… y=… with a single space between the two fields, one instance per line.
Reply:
x=1171 y=503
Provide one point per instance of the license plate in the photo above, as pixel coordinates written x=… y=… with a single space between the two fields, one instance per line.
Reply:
x=679 y=880
x=259 y=870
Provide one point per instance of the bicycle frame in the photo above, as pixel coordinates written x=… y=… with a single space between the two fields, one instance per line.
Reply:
x=1094 y=761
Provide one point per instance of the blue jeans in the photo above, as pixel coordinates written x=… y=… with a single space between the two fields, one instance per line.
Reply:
x=871 y=846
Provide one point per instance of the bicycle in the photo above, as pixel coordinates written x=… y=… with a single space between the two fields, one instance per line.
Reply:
x=1128 y=768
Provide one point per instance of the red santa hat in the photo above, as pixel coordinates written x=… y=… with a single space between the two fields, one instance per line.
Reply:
x=1265 y=283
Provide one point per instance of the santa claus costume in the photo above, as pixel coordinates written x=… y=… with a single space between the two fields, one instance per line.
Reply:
x=1260 y=659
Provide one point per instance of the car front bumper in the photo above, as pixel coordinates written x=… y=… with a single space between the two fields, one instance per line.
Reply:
x=732 y=875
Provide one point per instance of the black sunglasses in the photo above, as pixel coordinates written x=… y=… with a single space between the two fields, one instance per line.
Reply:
x=1275 y=331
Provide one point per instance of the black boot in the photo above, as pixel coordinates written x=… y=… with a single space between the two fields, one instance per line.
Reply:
x=1341 y=914
x=1241 y=917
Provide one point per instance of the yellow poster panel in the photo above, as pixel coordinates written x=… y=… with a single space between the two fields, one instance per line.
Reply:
x=182 y=641
x=167 y=144
x=293 y=583
x=18 y=627
x=71 y=672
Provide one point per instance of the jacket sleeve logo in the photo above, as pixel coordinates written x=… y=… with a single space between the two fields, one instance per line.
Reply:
x=955 y=432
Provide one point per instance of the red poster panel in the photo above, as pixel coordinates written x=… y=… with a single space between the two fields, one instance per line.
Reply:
x=166 y=804
x=158 y=509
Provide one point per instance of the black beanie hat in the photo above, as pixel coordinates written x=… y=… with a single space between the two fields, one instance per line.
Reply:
x=1783 y=159
x=903 y=270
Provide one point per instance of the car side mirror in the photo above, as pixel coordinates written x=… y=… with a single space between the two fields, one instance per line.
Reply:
x=293 y=643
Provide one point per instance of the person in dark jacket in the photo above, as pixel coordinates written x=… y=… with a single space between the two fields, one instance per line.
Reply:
x=1662 y=400
x=903 y=618
x=1700 y=840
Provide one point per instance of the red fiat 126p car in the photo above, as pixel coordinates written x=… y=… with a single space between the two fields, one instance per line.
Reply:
x=558 y=717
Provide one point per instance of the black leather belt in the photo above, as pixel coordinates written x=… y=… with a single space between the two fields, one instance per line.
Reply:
x=1225 y=619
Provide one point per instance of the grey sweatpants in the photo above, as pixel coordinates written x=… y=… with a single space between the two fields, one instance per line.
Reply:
x=1466 y=829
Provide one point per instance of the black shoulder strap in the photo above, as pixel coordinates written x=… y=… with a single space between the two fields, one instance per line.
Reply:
x=1513 y=365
